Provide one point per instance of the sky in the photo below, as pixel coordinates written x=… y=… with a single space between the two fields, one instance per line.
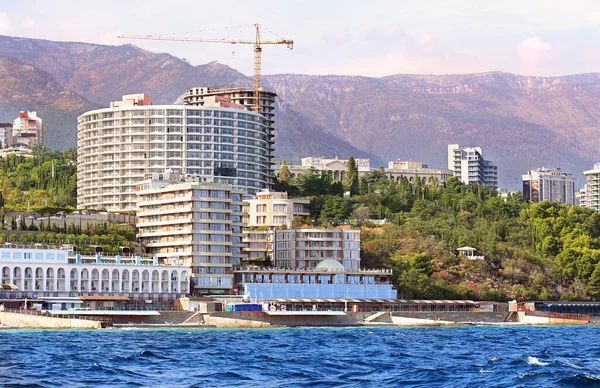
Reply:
x=371 y=38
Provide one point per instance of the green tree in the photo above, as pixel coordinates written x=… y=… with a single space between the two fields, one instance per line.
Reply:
x=352 y=176
x=284 y=174
x=593 y=286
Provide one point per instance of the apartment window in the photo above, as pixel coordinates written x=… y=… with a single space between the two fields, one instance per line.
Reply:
x=261 y=219
x=261 y=208
x=280 y=208
x=279 y=219
x=201 y=193
x=217 y=194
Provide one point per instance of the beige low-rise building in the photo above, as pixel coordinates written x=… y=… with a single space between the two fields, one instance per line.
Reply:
x=266 y=211
x=413 y=170
x=336 y=168
x=275 y=209
x=306 y=248
x=195 y=223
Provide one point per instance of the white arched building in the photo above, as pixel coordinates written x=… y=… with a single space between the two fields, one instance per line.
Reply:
x=53 y=272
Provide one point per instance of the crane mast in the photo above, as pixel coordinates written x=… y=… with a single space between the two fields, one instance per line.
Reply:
x=257 y=42
x=257 y=57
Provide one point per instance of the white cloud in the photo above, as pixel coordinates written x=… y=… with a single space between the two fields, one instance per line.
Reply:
x=535 y=53
x=28 y=22
x=5 y=23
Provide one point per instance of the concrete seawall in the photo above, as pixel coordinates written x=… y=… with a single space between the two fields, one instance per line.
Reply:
x=453 y=317
x=30 y=321
x=262 y=319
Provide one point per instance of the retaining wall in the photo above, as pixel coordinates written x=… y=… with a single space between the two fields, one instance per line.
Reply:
x=18 y=320
x=165 y=317
x=262 y=319
x=454 y=317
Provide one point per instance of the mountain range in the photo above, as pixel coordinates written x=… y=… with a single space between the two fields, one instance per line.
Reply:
x=521 y=122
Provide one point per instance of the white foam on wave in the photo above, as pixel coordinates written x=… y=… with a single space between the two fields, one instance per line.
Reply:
x=536 y=361
x=485 y=371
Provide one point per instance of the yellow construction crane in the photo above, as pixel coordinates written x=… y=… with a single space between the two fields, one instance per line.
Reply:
x=257 y=51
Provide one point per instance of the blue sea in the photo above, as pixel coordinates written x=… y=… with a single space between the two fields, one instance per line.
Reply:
x=567 y=356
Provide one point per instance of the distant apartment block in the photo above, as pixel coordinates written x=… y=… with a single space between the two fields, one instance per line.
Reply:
x=549 y=184
x=413 y=170
x=580 y=197
x=469 y=165
x=195 y=223
x=218 y=142
x=27 y=130
x=5 y=134
x=336 y=168
x=592 y=188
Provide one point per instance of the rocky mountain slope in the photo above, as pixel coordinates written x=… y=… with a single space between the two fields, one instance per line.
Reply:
x=521 y=122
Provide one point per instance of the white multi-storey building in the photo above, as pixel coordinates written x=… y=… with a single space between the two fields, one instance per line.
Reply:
x=194 y=223
x=60 y=273
x=118 y=147
x=592 y=188
x=545 y=184
x=469 y=165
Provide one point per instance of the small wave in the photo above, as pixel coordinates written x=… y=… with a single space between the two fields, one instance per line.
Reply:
x=485 y=371
x=535 y=361
x=494 y=359
x=151 y=354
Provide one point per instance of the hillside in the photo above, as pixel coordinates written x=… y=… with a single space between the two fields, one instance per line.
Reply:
x=25 y=87
x=521 y=122
x=103 y=73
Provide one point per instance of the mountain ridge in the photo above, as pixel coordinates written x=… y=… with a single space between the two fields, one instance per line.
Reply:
x=521 y=122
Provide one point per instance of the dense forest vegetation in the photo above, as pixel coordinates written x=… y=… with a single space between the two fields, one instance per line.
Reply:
x=532 y=250
x=48 y=179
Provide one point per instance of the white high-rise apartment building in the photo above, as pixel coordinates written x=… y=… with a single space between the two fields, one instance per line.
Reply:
x=200 y=96
x=194 y=223
x=469 y=165
x=592 y=188
x=118 y=147
x=549 y=184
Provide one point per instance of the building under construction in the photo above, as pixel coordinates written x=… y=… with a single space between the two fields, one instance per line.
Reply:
x=242 y=96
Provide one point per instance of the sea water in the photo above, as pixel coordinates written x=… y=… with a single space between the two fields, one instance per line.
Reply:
x=316 y=357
